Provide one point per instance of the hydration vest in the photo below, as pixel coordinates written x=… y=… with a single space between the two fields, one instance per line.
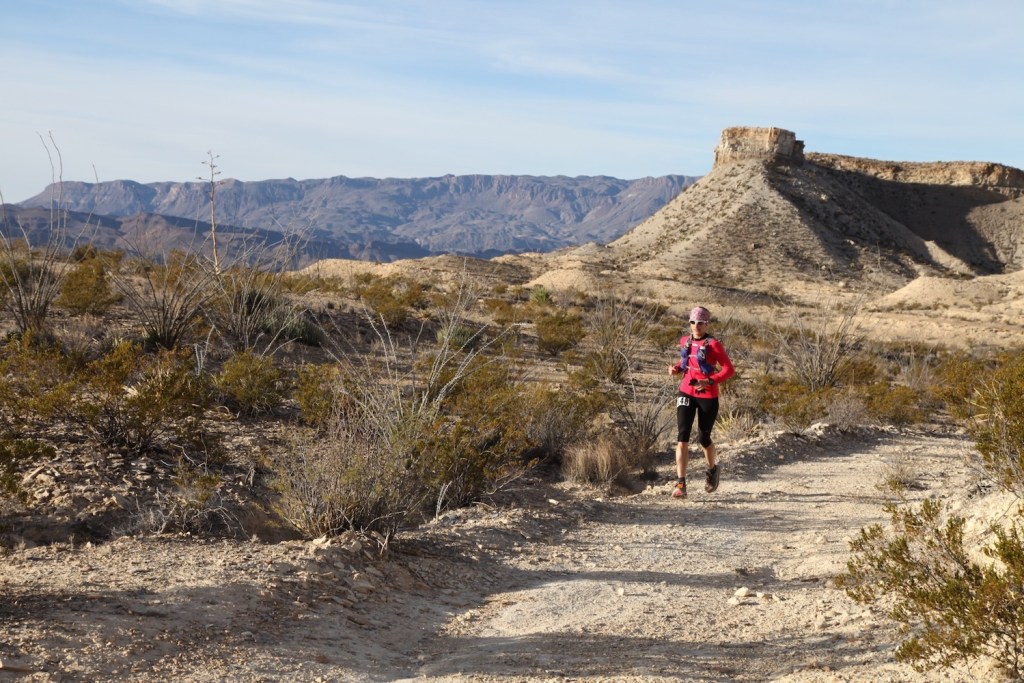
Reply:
x=702 y=354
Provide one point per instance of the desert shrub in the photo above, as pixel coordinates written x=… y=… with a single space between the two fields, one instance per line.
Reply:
x=557 y=419
x=816 y=353
x=639 y=424
x=899 y=475
x=345 y=479
x=139 y=401
x=459 y=336
x=541 y=296
x=666 y=331
x=916 y=368
x=997 y=423
x=34 y=383
x=86 y=289
x=594 y=461
x=858 y=370
x=478 y=437
x=252 y=311
x=443 y=424
x=618 y=330
x=83 y=252
x=896 y=405
x=251 y=384
x=952 y=607
x=847 y=410
x=734 y=424
x=955 y=376
x=28 y=286
x=316 y=391
x=196 y=504
x=503 y=312
x=167 y=296
x=790 y=402
x=393 y=298
x=558 y=332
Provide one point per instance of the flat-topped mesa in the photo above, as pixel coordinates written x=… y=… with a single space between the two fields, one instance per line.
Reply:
x=772 y=145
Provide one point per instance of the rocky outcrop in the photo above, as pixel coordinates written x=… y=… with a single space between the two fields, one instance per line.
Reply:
x=771 y=145
x=1006 y=179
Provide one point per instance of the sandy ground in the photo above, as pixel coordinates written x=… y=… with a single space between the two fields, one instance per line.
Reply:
x=551 y=583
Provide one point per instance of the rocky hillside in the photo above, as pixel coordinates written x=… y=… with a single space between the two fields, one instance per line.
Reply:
x=385 y=219
x=767 y=214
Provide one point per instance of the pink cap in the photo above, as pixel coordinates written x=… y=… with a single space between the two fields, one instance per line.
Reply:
x=700 y=314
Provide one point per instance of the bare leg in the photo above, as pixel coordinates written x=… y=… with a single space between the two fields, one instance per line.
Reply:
x=682 y=455
x=709 y=455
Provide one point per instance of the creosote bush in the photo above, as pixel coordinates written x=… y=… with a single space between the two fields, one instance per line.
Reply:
x=138 y=401
x=559 y=332
x=316 y=391
x=86 y=289
x=251 y=384
x=953 y=608
x=558 y=419
x=393 y=298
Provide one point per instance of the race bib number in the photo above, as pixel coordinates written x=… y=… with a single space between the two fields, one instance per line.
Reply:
x=682 y=401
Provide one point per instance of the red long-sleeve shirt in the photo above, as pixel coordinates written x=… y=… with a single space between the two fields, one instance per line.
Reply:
x=715 y=356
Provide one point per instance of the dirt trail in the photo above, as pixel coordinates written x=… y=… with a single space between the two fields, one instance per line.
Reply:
x=731 y=586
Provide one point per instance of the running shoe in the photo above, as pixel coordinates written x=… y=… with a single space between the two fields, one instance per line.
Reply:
x=711 y=479
x=680 y=489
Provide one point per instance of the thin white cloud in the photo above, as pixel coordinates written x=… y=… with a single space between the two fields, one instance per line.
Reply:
x=410 y=88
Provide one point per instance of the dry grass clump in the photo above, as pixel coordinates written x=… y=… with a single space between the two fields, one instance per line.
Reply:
x=736 y=424
x=899 y=475
x=595 y=461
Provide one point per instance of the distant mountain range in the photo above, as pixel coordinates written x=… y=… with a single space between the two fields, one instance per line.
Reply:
x=367 y=218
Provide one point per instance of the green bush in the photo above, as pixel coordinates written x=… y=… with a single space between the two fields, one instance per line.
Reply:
x=316 y=391
x=36 y=383
x=896 y=405
x=558 y=419
x=559 y=332
x=392 y=298
x=478 y=438
x=998 y=421
x=955 y=377
x=952 y=607
x=250 y=384
x=789 y=400
x=139 y=402
x=541 y=296
x=86 y=289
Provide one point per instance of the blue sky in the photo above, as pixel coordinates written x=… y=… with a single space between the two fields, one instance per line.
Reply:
x=143 y=89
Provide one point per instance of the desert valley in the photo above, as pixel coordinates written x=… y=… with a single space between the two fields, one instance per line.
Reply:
x=106 y=574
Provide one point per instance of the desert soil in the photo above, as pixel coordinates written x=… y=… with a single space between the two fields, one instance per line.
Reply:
x=551 y=582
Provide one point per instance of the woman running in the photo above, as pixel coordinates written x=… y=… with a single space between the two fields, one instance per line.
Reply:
x=704 y=365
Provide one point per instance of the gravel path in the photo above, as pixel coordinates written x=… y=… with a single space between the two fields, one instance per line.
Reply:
x=731 y=586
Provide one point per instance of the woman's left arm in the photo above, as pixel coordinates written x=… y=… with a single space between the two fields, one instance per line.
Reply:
x=724 y=363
